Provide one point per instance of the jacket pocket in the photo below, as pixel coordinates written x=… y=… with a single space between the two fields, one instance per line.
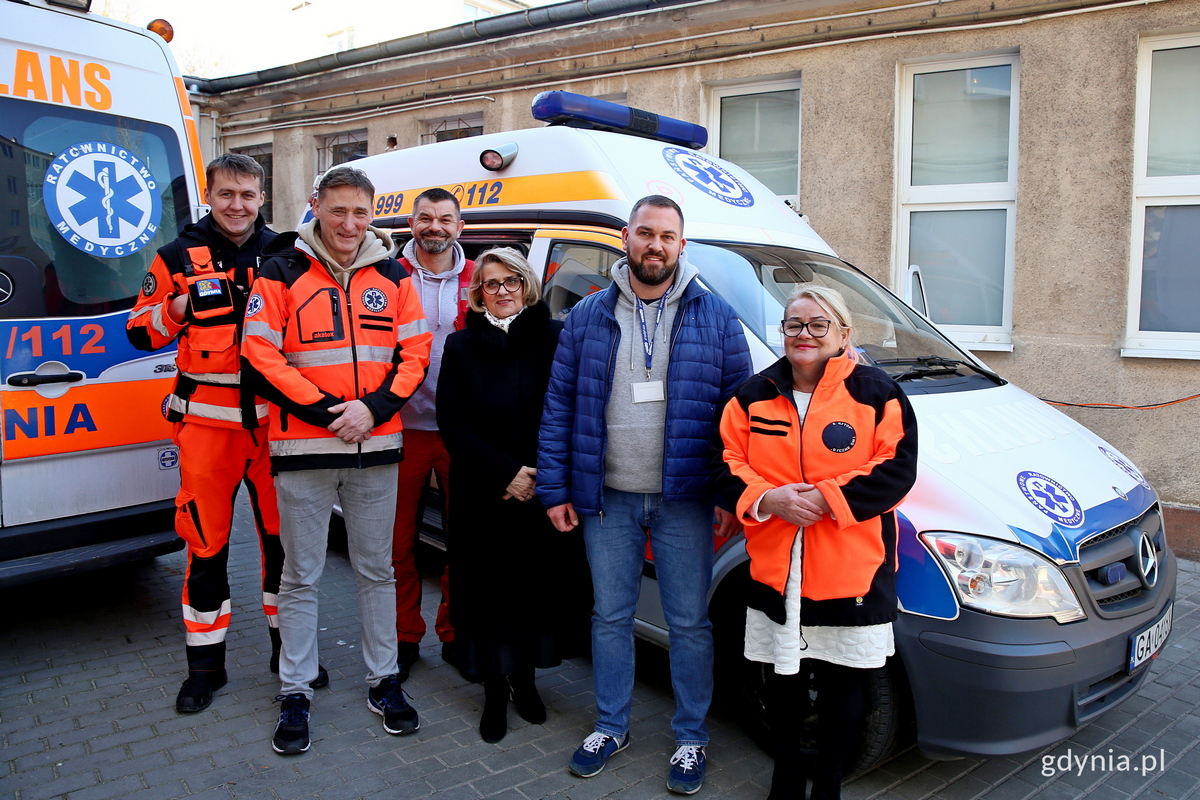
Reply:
x=319 y=318
x=211 y=351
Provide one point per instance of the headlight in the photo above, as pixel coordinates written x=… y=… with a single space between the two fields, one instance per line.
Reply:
x=1004 y=578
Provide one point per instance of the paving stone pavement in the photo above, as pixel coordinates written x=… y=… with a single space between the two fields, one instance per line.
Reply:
x=89 y=667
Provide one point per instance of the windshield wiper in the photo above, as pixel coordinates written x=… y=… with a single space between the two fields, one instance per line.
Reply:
x=929 y=366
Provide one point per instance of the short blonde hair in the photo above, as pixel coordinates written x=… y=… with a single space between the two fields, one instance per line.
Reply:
x=832 y=303
x=512 y=259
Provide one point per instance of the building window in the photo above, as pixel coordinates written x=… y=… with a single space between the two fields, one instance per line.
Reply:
x=1164 y=291
x=449 y=128
x=757 y=127
x=957 y=180
x=262 y=154
x=340 y=148
x=473 y=12
x=14 y=217
x=12 y=185
x=342 y=40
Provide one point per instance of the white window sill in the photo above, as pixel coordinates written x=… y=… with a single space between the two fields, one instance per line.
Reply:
x=1145 y=352
x=996 y=347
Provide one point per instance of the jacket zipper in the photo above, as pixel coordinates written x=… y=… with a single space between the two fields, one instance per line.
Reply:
x=612 y=354
x=678 y=326
x=353 y=353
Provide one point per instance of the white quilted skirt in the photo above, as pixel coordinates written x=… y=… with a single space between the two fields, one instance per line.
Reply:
x=862 y=646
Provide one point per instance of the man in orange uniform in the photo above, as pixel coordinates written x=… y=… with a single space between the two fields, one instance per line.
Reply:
x=440 y=274
x=195 y=293
x=337 y=342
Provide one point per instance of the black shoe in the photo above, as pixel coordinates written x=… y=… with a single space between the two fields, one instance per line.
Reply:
x=452 y=657
x=197 y=691
x=319 y=682
x=291 y=734
x=493 y=723
x=387 y=700
x=526 y=699
x=407 y=654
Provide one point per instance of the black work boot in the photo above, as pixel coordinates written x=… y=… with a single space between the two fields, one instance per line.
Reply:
x=197 y=691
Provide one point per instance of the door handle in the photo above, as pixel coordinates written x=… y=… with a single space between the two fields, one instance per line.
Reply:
x=34 y=379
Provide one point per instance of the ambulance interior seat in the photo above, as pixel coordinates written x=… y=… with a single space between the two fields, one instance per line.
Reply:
x=570 y=283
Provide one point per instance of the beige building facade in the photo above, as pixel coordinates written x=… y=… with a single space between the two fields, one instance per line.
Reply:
x=1040 y=163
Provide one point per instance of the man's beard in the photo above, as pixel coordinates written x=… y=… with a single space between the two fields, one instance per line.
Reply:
x=650 y=276
x=434 y=244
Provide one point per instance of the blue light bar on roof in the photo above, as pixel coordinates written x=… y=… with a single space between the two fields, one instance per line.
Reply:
x=578 y=111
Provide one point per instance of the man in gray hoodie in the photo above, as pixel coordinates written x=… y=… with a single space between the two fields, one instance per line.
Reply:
x=440 y=273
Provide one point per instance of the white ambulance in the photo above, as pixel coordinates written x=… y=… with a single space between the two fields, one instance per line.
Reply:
x=98 y=169
x=1035 y=581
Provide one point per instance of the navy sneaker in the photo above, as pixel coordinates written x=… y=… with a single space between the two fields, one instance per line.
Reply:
x=594 y=753
x=687 y=770
x=291 y=734
x=387 y=700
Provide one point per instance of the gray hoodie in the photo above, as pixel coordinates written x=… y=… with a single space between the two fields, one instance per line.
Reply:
x=376 y=246
x=439 y=298
x=634 y=455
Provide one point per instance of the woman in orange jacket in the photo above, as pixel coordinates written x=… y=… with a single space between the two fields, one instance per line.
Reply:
x=820 y=449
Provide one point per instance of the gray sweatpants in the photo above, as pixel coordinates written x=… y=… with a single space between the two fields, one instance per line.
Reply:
x=306 y=499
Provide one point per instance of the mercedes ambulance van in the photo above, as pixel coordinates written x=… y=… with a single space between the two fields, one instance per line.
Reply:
x=1035 y=581
x=98 y=169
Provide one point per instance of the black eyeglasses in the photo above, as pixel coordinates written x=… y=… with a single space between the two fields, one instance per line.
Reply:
x=794 y=327
x=510 y=284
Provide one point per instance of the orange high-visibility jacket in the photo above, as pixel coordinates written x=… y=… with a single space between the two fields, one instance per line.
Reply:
x=858 y=447
x=312 y=344
x=208 y=387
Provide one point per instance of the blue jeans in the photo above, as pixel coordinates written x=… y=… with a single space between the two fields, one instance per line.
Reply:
x=682 y=542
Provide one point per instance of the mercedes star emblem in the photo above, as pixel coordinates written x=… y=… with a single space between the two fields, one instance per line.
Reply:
x=1147 y=561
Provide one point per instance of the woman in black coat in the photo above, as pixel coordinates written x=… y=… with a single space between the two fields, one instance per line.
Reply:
x=519 y=594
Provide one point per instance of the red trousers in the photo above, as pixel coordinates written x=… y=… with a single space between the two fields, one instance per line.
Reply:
x=424 y=454
x=213 y=463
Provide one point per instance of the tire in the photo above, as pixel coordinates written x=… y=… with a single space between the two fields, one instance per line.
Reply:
x=888 y=725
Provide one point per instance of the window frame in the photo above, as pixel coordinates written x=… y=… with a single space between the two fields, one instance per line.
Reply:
x=959 y=196
x=331 y=140
x=254 y=151
x=765 y=86
x=433 y=127
x=1166 y=190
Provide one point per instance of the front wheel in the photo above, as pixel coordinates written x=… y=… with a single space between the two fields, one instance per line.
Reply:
x=887 y=719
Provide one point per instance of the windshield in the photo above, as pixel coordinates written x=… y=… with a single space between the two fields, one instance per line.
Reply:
x=85 y=201
x=886 y=328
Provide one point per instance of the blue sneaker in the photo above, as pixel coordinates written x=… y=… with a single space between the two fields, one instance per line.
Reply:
x=687 y=770
x=387 y=700
x=291 y=734
x=594 y=753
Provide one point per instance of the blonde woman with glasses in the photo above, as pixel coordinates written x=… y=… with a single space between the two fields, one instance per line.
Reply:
x=820 y=449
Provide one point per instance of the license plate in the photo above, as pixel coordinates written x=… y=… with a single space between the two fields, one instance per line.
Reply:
x=1145 y=644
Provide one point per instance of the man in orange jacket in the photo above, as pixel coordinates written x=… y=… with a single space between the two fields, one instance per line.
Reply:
x=195 y=294
x=338 y=343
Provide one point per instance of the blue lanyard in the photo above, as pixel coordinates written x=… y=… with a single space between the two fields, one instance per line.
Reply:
x=647 y=337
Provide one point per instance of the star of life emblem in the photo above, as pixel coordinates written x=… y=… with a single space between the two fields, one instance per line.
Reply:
x=1051 y=498
x=102 y=198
